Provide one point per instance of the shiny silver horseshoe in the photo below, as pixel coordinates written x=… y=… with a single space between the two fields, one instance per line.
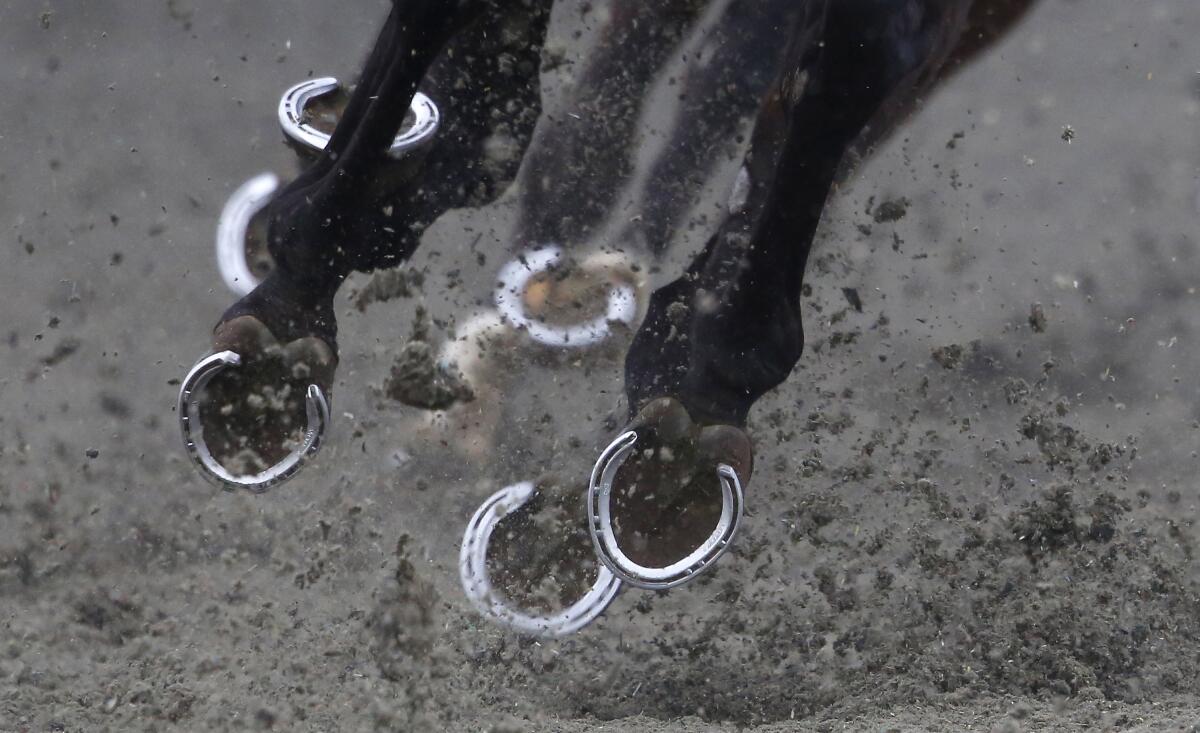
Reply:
x=316 y=406
x=243 y=204
x=426 y=118
x=510 y=291
x=605 y=539
x=472 y=570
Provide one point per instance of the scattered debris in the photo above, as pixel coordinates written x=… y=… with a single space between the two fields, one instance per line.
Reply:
x=853 y=299
x=1037 y=318
x=949 y=357
x=891 y=210
x=386 y=285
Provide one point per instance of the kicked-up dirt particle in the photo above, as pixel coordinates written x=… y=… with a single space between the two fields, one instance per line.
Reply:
x=1037 y=318
x=418 y=380
x=387 y=285
x=949 y=357
x=891 y=210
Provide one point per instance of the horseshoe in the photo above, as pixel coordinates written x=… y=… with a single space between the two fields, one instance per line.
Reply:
x=604 y=538
x=316 y=407
x=514 y=278
x=426 y=118
x=472 y=569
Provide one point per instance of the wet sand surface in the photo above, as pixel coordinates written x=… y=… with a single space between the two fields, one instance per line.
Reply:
x=968 y=512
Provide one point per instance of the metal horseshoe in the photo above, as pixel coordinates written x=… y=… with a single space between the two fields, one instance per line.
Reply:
x=599 y=501
x=472 y=569
x=316 y=407
x=239 y=210
x=513 y=279
x=426 y=118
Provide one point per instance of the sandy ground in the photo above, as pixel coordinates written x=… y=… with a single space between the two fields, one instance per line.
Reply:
x=959 y=521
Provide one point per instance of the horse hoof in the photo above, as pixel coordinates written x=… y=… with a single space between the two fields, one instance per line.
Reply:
x=192 y=430
x=476 y=583
x=526 y=286
x=309 y=111
x=600 y=524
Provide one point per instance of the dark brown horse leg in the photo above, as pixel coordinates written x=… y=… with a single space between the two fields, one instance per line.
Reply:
x=729 y=329
x=574 y=167
x=329 y=221
x=314 y=223
x=717 y=94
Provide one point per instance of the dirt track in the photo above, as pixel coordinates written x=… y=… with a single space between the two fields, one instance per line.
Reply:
x=959 y=521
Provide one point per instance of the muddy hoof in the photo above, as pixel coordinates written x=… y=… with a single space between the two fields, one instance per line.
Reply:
x=561 y=304
x=256 y=410
x=527 y=563
x=665 y=498
x=309 y=113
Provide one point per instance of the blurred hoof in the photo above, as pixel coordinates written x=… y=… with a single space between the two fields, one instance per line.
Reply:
x=477 y=582
x=571 y=308
x=674 y=461
x=310 y=110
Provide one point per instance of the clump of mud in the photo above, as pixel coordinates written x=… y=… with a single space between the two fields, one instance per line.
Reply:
x=386 y=285
x=117 y=617
x=418 y=379
x=404 y=622
x=891 y=210
x=1057 y=522
x=403 y=628
x=1037 y=318
x=952 y=356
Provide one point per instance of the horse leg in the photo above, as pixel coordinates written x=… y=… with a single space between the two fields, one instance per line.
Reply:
x=730 y=326
x=574 y=166
x=717 y=94
x=729 y=330
x=329 y=222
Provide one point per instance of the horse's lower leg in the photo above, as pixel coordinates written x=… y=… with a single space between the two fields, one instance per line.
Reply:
x=337 y=216
x=486 y=86
x=717 y=94
x=729 y=330
x=581 y=157
x=328 y=222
